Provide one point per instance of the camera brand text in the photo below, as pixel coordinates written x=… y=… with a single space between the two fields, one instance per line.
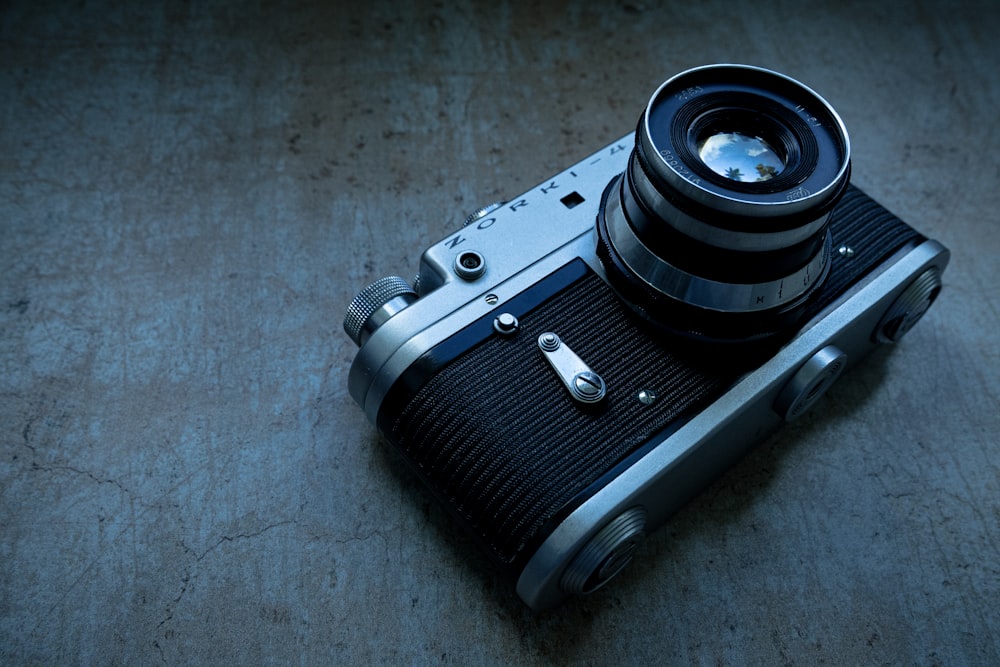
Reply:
x=517 y=205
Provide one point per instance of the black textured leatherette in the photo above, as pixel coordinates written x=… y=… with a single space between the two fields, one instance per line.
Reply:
x=502 y=443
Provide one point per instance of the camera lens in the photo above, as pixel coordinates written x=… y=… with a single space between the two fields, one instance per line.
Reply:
x=718 y=229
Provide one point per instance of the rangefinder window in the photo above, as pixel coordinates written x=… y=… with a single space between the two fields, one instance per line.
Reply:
x=572 y=199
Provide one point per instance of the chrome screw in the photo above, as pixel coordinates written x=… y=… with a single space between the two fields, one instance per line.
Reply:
x=588 y=385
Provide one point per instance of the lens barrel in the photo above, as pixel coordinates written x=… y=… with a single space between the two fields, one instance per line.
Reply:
x=718 y=229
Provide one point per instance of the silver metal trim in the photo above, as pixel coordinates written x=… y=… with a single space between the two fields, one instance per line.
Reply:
x=678 y=466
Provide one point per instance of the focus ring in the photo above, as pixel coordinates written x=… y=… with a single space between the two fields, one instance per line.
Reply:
x=702 y=292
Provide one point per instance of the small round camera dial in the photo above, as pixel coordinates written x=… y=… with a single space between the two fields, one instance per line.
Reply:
x=909 y=307
x=606 y=554
x=810 y=382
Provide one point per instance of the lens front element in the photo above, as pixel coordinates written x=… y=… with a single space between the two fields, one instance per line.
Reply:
x=739 y=157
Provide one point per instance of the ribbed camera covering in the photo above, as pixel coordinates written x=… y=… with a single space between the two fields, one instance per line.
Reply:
x=500 y=439
x=504 y=441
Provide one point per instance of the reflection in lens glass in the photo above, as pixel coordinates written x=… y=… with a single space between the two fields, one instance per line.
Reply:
x=739 y=157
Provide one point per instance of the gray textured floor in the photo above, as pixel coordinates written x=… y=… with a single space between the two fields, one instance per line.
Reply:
x=191 y=194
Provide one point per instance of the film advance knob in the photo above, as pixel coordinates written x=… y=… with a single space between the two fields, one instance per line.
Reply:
x=374 y=305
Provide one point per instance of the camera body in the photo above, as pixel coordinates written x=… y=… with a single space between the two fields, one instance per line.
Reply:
x=542 y=375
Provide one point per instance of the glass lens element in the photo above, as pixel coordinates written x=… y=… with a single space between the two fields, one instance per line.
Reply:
x=740 y=157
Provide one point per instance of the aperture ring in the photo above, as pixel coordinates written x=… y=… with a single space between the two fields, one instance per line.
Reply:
x=701 y=292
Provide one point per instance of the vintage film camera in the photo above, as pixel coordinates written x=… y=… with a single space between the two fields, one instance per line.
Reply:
x=573 y=365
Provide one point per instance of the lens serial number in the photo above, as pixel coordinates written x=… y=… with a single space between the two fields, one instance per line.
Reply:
x=688 y=93
x=678 y=166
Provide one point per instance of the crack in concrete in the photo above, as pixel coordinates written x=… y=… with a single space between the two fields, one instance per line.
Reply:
x=242 y=536
x=68 y=468
x=187 y=575
x=55 y=468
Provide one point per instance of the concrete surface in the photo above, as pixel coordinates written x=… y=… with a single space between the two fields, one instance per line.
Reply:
x=190 y=194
